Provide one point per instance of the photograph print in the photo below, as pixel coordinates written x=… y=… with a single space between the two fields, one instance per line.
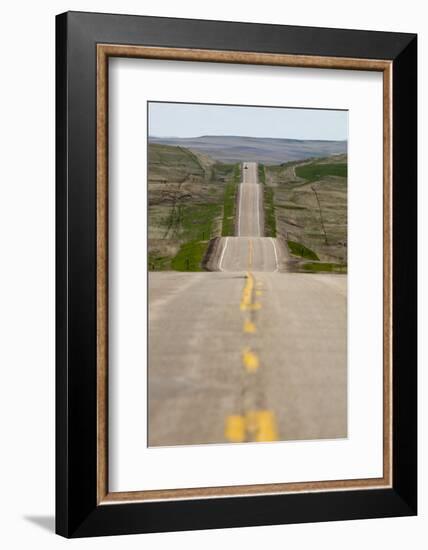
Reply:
x=247 y=274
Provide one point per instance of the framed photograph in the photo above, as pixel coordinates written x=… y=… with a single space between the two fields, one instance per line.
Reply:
x=236 y=274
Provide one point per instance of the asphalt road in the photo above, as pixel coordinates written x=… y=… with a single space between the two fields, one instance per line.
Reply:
x=250 y=253
x=248 y=353
x=250 y=202
x=249 y=250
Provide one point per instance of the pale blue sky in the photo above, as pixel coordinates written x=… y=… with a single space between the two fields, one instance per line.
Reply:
x=194 y=120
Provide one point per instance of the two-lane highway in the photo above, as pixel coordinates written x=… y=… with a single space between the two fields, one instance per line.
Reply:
x=248 y=353
x=249 y=249
x=250 y=215
x=256 y=254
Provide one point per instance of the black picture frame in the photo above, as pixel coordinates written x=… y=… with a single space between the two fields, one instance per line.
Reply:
x=77 y=512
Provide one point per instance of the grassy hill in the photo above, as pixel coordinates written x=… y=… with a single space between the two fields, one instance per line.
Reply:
x=310 y=202
x=186 y=200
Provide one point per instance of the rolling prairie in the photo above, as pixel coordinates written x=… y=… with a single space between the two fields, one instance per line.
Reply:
x=233 y=149
x=192 y=200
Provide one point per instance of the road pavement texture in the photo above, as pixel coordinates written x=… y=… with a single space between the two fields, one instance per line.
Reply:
x=247 y=353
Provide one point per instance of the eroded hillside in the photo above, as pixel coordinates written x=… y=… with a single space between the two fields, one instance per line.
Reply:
x=188 y=195
x=310 y=204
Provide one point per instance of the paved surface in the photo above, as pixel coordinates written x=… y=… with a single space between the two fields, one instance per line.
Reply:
x=249 y=249
x=249 y=253
x=247 y=353
x=250 y=202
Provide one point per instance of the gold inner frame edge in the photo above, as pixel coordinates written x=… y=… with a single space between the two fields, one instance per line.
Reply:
x=104 y=51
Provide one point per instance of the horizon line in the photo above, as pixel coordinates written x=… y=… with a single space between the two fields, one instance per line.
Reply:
x=242 y=136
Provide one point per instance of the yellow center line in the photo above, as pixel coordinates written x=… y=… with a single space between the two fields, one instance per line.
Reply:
x=247 y=292
x=258 y=425
x=250 y=360
x=249 y=327
x=250 y=253
x=266 y=425
x=247 y=295
x=235 y=429
x=252 y=425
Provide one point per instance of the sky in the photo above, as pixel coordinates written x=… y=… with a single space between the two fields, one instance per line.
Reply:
x=194 y=120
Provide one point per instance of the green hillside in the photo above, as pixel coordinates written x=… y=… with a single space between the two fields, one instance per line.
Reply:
x=310 y=201
x=186 y=197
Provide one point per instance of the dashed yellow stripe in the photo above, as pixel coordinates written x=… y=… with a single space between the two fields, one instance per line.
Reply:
x=250 y=360
x=247 y=295
x=247 y=292
x=257 y=426
x=266 y=426
x=235 y=429
x=253 y=425
x=249 y=327
x=250 y=254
